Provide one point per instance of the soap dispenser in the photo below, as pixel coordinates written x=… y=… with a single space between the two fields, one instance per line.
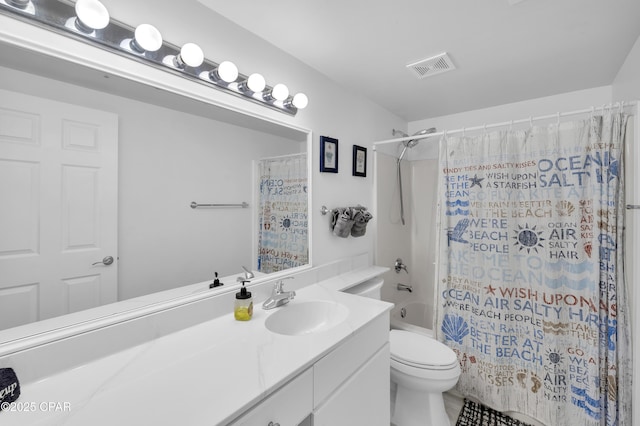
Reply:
x=243 y=308
x=216 y=282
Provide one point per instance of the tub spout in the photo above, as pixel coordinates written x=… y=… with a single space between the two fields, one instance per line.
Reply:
x=404 y=287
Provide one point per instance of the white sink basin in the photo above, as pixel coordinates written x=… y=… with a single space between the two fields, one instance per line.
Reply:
x=299 y=318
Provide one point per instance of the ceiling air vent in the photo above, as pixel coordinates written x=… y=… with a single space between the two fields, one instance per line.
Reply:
x=432 y=66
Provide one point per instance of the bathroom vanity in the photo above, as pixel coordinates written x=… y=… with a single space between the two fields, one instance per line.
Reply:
x=322 y=359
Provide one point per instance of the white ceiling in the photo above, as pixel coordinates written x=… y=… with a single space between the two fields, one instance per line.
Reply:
x=503 y=53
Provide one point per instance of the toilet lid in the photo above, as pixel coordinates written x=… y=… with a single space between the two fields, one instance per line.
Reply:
x=420 y=351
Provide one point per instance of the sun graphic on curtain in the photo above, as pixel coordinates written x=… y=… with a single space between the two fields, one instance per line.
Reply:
x=554 y=356
x=528 y=238
x=285 y=223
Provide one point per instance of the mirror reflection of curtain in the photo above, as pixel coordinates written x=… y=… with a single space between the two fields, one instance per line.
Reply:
x=531 y=290
x=282 y=217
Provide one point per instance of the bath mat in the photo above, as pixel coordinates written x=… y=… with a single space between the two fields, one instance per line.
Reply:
x=474 y=414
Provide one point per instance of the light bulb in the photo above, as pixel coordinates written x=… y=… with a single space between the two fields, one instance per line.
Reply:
x=280 y=92
x=146 y=38
x=20 y=4
x=256 y=83
x=91 y=15
x=227 y=72
x=300 y=101
x=191 y=54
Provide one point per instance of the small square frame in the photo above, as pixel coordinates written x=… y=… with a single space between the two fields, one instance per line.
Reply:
x=359 y=161
x=328 y=154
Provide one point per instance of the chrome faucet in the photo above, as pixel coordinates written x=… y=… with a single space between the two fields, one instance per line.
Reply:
x=278 y=296
x=399 y=266
x=247 y=275
x=404 y=287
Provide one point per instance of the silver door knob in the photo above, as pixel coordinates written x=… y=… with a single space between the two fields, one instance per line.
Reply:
x=106 y=261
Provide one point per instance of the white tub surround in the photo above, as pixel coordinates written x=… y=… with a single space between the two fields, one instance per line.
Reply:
x=213 y=372
x=418 y=317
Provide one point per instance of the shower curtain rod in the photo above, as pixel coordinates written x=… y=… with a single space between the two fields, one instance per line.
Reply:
x=282 y=157
x=557 y=116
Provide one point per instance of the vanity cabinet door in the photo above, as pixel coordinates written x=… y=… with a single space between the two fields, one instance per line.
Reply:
x=363 y=399
x=288 y=406
x=334 y=369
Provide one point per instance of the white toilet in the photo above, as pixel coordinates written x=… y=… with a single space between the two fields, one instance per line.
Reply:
x=422 y=369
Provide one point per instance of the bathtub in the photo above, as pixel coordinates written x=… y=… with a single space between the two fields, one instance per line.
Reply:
x=418 y=317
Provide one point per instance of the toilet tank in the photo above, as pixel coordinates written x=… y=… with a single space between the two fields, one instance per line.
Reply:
x=370 y=288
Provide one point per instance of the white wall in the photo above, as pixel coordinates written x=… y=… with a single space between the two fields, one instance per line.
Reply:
x=414 y=242
x=393 y=240
x=424 y=174
x=563 y=102
x=626 y=86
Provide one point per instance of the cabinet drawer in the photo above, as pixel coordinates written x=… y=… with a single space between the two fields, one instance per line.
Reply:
x=288 y=406
x=341 y=363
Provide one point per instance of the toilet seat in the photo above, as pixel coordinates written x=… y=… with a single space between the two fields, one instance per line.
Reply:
x=419 y=351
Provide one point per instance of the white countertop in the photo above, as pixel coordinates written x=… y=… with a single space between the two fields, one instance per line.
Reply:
x=207 y=374
x=350 y=279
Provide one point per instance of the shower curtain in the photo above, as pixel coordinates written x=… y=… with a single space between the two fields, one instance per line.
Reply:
x=530 y=289
x=282 y=217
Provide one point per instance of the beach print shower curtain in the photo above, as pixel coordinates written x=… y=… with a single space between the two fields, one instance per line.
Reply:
x=283 y=241
x=530 y=288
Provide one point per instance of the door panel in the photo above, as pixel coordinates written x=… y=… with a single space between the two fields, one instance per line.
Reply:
x=19 y=189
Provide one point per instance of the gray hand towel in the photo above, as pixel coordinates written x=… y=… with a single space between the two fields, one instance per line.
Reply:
x=361 y=219
x=335 y=214
x=343 y=224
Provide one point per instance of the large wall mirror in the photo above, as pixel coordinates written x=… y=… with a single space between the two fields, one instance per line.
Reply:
x=170 y=151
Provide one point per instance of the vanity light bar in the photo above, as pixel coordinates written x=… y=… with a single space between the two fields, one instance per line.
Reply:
x=89 y=21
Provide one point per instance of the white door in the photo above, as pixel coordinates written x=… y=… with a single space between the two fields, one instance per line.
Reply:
x=58 y=208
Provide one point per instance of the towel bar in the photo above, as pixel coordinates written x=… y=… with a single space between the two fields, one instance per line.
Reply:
x=324 y=210
x=243 y=205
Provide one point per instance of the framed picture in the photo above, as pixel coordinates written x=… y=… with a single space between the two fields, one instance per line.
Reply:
x=359 y=161
x=328 y=154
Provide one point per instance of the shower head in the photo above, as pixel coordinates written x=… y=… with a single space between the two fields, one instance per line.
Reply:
x=413 y=142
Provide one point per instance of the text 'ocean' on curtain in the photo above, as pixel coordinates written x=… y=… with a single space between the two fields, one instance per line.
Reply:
x=283 y=241
x=531 y=293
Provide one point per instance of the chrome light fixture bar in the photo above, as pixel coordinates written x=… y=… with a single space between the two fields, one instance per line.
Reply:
x=89 y=21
